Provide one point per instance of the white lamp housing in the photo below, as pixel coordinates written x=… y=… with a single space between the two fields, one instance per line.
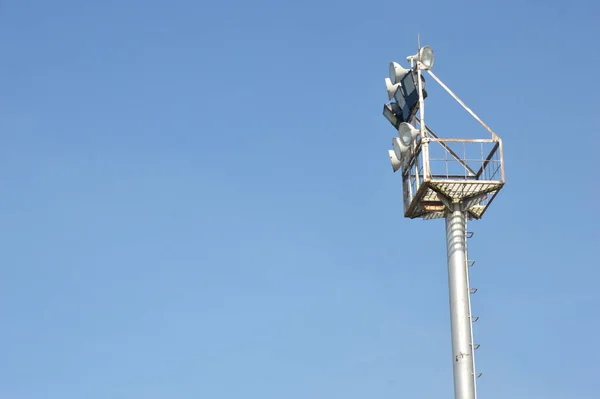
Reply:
x=424 y=56
x=394 y=160
x=399 y=148
x=397 y=72
x=407 y=133
x=391 y=88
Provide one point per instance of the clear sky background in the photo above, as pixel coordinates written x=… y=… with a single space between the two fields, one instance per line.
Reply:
x=197 y=200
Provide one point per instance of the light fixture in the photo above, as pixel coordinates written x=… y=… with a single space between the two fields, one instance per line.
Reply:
x=401 y=144
x=407 y=97
x=392 y=113
x=407 y=133
x=394 y=160
x=391 y=88
x=399 y=148
x=397 y=72
x=424 y=56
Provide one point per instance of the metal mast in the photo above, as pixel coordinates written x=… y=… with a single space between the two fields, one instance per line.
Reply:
x=451 y=178
x=460 y=304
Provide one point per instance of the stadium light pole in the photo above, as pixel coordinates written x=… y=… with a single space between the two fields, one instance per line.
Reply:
x=460 y=304
x=430 y=193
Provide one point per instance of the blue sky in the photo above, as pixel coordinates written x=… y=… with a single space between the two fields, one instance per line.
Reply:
x=198 y=203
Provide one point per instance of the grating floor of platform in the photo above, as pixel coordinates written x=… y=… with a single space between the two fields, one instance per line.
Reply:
x=427 y=203
x=457 y=190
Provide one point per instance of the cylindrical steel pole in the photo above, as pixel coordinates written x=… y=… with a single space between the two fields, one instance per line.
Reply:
x=460 y=317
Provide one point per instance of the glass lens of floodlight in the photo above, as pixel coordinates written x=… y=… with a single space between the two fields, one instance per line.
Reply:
x=426 y=57
x=408 y=85
x=395 y=109
x=399 y=97
x=390 y=114
x=405 y=133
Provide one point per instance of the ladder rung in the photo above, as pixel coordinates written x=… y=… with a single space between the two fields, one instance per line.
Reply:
x=470 y=234
x=479 y=374
x=475 y=346
x=470 y=263
x=473 y=290
x=474 y=319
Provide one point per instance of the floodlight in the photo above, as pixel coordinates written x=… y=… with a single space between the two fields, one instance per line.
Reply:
x=407 y=133
x=393 y=113
x=394 y=160
x=391 y=88
x=397 y=72
x=399 y=148
x=424 y=56
x=408 y=97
